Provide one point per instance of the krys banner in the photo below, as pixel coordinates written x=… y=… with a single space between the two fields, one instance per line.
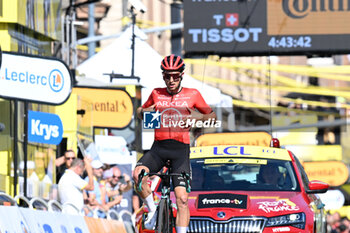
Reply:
x=34 y=78
x=44 y=128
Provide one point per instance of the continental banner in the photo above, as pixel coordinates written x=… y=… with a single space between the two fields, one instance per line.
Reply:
x=112 y=108
x=335 y=173
x=291 y=17
x=309 y=153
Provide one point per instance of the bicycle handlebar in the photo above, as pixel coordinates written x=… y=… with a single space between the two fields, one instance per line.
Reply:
x=143 y=173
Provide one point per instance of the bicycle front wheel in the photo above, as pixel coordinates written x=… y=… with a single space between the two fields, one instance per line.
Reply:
x=163 y=218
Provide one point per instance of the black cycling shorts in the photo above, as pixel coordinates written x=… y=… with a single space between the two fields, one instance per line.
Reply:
x=161 y=151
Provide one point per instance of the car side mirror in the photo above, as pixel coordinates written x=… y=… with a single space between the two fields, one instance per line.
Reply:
x=316 y=186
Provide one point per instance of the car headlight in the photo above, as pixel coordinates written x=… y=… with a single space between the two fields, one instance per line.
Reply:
x=296 y=220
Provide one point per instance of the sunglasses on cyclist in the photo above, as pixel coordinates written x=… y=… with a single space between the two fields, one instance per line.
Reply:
x=70 y=158
x=119 y=177
x=176 y=76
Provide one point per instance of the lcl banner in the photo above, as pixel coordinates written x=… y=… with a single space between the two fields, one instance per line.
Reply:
x=34 y=78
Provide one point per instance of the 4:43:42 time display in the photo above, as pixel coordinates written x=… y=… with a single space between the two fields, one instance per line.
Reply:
x=290 y=42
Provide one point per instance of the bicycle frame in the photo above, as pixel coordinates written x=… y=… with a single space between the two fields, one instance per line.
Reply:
x=165 y=218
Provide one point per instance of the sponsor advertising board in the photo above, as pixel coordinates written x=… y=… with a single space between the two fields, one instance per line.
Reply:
x=112 y=108
x=34 y=78
x=266 y=27
x=44 y=128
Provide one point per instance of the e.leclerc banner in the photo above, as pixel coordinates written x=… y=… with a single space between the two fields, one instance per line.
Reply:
x=34 y=78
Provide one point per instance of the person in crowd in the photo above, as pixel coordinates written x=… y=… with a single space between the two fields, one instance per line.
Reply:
x=71 y=185
x=337 y=224
x=97 y=197
x=64 y=162
x=108 y=176
x=120 y=183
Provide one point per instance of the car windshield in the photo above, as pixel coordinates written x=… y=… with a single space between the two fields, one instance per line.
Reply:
x=243 y=174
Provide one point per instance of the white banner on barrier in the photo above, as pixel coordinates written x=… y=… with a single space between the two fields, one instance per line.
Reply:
x=12 y=221
x=54 y=222
x=15 y=219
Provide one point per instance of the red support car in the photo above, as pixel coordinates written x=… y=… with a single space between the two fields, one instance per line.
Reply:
x=250 y=189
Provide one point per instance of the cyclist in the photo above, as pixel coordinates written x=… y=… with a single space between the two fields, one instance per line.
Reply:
x=171 y=143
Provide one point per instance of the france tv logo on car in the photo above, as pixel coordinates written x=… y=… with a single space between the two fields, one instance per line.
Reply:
x=44 y=128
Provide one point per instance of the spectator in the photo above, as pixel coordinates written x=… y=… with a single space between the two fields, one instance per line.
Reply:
x=107 y=177
x=71 y=185
x=118 y=185
x=64 y=162
x=346 y=222
x=97 y=197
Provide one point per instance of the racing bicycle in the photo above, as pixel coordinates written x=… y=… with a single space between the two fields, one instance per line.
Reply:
x=165 y=218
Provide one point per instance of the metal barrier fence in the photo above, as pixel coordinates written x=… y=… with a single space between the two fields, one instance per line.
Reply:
x=37 y=203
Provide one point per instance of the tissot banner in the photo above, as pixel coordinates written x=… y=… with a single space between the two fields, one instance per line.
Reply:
x=266 y=27
x=34 y=78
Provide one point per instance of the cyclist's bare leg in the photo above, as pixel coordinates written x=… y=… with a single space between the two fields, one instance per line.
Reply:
x=183 y=212
x=146 y=190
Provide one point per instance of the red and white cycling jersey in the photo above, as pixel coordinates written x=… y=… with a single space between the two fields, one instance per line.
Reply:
x=174 y=108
